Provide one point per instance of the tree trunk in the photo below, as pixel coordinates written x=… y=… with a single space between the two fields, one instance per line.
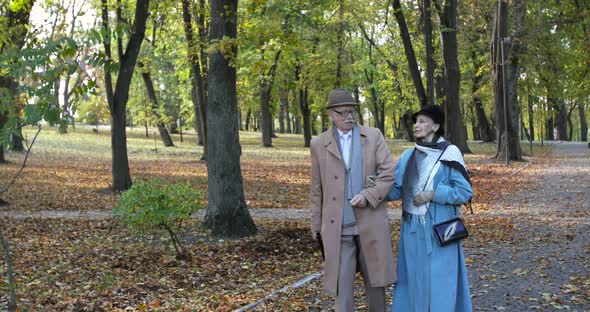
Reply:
x=455 y=126
x=118 y=98
x=15 y=29
x=531 y=114
x=265 y=91
x=283 y=109
x=484 y=129
x=340 y=45
x=583 y=123
x=427 y=9
x=409 y=51
x=227 y=213
x=356 y=94
x=408 y=126
x=151 y=92
x=196 y=62
x=248 y=117
x=304 y=107
x=506 y=130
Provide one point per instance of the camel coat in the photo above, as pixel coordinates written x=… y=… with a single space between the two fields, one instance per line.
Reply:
x=327 y=202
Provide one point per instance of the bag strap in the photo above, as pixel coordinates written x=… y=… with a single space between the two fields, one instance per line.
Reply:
x=431 y=169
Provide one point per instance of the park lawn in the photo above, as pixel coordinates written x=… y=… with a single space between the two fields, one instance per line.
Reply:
x=73 y=171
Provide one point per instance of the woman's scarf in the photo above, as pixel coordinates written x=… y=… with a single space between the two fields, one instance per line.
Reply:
x=421 y=168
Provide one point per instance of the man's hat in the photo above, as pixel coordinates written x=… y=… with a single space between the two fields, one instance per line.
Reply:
x=340 y=97
x=434 y=112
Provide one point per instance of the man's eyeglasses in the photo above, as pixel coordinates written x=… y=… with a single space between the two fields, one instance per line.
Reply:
x=345 y=113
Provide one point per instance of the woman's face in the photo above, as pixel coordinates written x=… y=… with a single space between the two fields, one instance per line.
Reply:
x=425 y=128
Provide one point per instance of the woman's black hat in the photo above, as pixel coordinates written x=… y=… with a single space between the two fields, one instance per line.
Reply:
x=434 y=112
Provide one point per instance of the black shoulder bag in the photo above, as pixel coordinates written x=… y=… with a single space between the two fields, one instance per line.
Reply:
x=451 y=230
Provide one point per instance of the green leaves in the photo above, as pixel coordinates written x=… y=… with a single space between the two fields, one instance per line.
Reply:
x=151 y=206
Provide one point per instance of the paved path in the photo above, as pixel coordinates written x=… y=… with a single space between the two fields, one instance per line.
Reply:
x=545 y=264
x=263 y=213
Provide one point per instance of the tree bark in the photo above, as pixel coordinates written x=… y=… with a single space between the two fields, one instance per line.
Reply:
x=410 y=54
x=118 y=98
x=197 y=66
x=408 y=126
x=455 y=126
x=227 y=213
x=484 y=129
x=427 y=10
x=531 y=115
x=507 y=140
x=16 y=25
x=583 y=123
x=303 y=106
x=151 y=92
x=265 y=91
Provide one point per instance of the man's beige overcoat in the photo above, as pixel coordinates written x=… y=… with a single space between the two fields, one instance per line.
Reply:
x=327 y=202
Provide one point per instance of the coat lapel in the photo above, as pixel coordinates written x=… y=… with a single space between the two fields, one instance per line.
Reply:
x=363 y=133
x=331 y=145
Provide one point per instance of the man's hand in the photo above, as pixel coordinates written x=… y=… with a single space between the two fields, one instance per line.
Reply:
x=358 y=201
x=422 y=198
x=315 y=235
x=370 y=181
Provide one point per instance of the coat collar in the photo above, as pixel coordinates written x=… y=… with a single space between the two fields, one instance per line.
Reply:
x=332 y=146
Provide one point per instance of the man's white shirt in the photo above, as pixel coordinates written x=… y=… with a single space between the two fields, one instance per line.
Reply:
x=345 y=144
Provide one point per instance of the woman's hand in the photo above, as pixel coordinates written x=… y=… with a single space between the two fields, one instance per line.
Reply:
x=423 y=198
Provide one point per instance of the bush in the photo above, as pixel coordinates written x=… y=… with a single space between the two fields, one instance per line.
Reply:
x=151 y=206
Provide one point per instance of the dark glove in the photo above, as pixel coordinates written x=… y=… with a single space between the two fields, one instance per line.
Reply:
x=422 y=198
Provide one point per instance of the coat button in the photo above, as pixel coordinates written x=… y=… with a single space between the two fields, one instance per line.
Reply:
x=335 y=177
x=331 y=221
x=334 y=198
x=379 y=197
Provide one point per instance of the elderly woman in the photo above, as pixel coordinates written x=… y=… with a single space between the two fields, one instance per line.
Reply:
x=431 y=179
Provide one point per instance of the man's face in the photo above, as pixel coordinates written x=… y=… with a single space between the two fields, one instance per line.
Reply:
x=344 y=117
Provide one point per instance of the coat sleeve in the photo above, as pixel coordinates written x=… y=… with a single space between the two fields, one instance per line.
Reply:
x=452 y=191
x=315 y=191
x=385 y=167
x=400 y=167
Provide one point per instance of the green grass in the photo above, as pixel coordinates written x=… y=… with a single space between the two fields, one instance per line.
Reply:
x=83 y=142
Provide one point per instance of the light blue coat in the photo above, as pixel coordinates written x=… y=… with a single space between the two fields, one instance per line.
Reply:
x=430 y=277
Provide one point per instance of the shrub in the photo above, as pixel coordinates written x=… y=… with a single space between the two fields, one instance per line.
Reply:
x=151 y=206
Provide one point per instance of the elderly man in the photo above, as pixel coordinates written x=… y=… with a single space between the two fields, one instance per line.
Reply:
x=349 y=215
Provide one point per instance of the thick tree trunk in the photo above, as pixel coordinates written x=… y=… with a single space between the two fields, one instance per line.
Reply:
x=455 y=126
x=583 y=123
x=507 y=140
x=151 y=92
x=227 y=213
